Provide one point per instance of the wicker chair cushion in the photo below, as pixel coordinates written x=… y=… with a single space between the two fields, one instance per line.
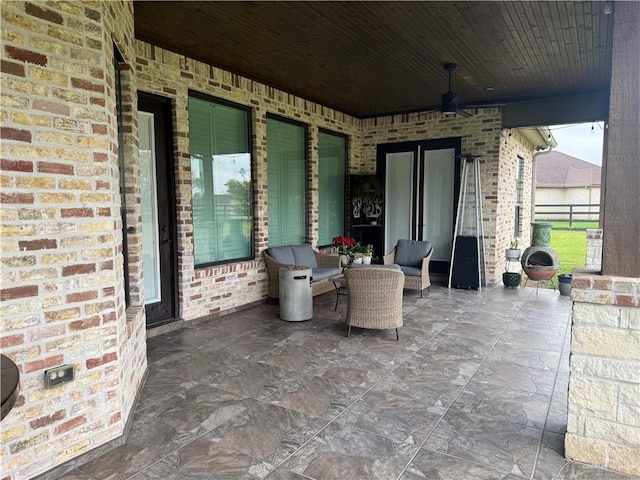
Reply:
x=294 y=255
x=322 y=273
x=411 y=271
x=391 y=266
x=409 y=253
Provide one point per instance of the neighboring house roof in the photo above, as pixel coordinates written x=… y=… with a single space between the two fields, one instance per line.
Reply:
x=560 y=169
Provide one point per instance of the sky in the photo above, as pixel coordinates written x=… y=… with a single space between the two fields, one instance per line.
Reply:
x=578 y=141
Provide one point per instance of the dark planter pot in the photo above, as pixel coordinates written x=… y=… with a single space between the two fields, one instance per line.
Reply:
x=564 y=283
x=511 y=279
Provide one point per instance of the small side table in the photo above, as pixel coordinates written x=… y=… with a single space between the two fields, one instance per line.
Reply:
x=340 y=284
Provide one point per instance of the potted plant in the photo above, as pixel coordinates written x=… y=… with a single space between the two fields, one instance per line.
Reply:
x=367 y=253
x=345 y=248
x=511 y=279
x=513 y=253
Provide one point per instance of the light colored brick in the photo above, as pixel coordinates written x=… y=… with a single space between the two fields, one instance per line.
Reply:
x=9 y=434
x=53 y=137
x=595 y=397
x=57 y=198
x=17 y=230
x=105 y=226
x=74 y=184
x=25 y=151
x=611 y=431
x=92 y=142
x=585 y=449
x=72 y=155
x=15 y=101
x=588 y=314
x=630 y=318
x=49 y=77
x=625 y=459
x=612 y=343
x=629 y=415
x=35 y=183
x=630 y=394
x=606 y=368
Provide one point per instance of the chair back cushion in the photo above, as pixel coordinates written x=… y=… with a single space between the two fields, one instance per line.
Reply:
x=410 y=253
x=304 y=255
x=282 y=254
x=294 y=255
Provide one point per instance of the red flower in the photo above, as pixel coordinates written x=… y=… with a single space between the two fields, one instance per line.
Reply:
x=343 y=241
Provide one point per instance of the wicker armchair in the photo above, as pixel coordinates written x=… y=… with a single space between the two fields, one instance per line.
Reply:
x=413 y=256
x=374 y=298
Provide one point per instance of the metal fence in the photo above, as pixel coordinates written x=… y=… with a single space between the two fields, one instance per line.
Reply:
x=578 y=215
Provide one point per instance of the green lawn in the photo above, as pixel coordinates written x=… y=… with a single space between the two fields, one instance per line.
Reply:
x=571 y=246
x=575 y=225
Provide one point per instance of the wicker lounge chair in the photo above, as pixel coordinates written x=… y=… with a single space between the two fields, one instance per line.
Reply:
x=374 y=298
x=413 y=256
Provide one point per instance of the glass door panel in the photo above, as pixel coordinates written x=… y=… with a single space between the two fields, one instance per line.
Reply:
x=150 y=236
x=438 y=200
x=398 y=197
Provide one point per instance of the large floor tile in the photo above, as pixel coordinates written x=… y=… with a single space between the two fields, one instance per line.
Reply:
x=516 y=406
x=428 y=464
x=149 y=440
x=204 y=460
x=317 y=396
x=252 y=378
x=502 y=374
x=397 y=417
x=347 y=453
x=489 y=441
x=268 y=433
x=199 y=409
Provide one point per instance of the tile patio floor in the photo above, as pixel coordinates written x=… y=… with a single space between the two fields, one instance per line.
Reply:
x=475 y=389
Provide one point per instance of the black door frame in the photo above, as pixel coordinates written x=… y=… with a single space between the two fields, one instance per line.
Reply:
x=419 y=146
x=161 y=108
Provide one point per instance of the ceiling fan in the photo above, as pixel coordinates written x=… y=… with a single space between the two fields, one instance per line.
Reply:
x=450 y=102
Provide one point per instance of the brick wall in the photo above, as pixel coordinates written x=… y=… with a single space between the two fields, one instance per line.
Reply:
x=62 y=276
x=481 y=134
x=513 y=144
x=604 y=383
x=211 y=290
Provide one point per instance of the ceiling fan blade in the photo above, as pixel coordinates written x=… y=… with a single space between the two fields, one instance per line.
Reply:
x=464 y=113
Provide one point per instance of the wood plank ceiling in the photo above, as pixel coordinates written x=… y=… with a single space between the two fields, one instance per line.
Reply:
x=373 y=58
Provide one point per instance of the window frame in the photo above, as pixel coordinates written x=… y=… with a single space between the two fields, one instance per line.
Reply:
x=345 y=207
x=517 y=214
x=249 y=114
x=305 y=128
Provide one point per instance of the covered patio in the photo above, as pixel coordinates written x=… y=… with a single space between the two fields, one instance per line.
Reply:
x=476 y=388
x=114 y=266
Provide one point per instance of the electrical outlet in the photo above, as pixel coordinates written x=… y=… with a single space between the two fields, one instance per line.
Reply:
x=57 y=376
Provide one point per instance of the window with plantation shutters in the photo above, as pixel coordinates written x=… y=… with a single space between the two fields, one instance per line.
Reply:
x=286 y=184
x=332 y=154
x=220 y=181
